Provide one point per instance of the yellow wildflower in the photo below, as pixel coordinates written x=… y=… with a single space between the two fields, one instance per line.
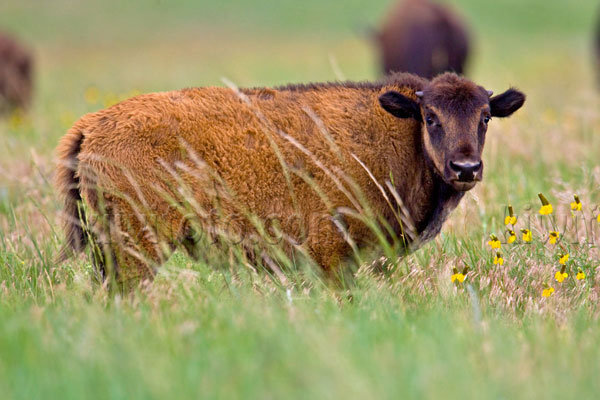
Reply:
x=510 y=219
x=459 y=276
x=576 y=205
x=553 y=237
x=580 y=275
x=560 y=276
x=494 y=242
x=548 y=291
x=563 y=258
x=598 y=218
x=526 y=235
x=498 y=260
x=511 y=236
x=546 y=208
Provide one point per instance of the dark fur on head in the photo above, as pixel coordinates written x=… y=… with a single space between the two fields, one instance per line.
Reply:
x=455 y=112
x=455 y=94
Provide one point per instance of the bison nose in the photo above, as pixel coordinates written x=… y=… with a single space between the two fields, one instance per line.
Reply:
x=466 y=171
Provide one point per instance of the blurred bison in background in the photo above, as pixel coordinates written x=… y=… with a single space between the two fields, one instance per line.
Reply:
x=423 y=38
x=15 y=75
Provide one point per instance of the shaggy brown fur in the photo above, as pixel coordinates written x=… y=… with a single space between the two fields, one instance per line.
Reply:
x=15 y=75
x=423 y=38
x=265 y=152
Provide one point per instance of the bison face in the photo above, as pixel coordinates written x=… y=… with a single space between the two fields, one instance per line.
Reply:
x=454 y=115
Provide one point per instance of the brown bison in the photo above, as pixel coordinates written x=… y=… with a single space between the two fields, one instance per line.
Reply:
x=157 y=168
x=423 y=38
x=15 y=75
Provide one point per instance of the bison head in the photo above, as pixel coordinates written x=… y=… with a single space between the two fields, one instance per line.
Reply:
x=454 y=114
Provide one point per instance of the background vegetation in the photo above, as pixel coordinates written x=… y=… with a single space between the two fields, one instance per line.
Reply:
x=211 y=329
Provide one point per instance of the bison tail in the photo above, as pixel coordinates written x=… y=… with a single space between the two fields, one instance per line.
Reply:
x=67 y=183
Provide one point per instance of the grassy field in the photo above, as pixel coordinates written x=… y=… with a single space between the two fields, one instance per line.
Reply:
x=215 y=329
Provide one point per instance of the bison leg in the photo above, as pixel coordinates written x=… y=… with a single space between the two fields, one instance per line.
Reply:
x=128 y=249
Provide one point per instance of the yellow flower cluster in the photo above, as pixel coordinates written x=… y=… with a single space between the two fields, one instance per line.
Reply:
x=498 y=260
x=494 y=242
x=546 y=208
x=547 y=292
x=510 y=219
x=576 y=205
x=560 y=276
x=563 y=258
x=511 y=236
x=459 y=277
x=553 y=237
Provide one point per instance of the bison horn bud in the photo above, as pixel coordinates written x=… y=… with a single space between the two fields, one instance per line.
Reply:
x=419 y=93
x=490 y=93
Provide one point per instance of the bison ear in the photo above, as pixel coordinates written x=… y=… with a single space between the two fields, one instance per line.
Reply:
x=506 y=103
x=400 y=106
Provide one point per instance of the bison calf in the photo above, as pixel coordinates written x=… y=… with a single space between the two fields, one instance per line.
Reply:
x=154 y=169
x=423 y=38
x=15 y=75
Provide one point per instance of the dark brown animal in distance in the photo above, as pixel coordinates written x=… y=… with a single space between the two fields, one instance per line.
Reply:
x=423 y=38
x=16 y=68
x=127 y=163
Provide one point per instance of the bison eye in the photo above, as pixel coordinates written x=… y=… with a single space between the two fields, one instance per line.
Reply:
x=430 y=121
x=486 y=119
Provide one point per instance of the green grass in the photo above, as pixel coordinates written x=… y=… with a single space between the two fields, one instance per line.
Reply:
x=216 y=329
